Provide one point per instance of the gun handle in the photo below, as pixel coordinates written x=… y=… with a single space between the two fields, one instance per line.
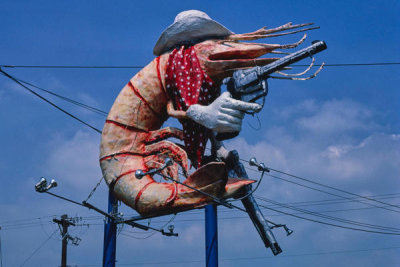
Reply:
x=226 y=136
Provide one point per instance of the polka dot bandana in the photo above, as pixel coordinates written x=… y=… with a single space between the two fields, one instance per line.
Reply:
x=187 y=84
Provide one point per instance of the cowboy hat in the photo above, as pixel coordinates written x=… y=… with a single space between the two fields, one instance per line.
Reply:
x=189 y=27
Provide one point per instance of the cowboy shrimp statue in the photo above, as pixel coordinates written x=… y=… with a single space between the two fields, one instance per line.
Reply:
x=194 y=55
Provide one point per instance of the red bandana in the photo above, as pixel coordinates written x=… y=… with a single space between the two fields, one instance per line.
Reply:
x=187 y=84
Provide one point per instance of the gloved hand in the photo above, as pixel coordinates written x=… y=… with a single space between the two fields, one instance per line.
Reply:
x=223 y=115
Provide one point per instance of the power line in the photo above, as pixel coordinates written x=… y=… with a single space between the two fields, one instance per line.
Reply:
x=69 y=67
x=330 y=224
x=334 y=188
x=95 y=218
x=24 y=220
x=14 y=226
x=317 y=253
x=323 y=191
x=49 y=102
x=140 y=67
x=336 y=201
x=253 y=257
x=317 y=202
x=36 y=250
x=317 y=214
x=25 y=223
x=268 y=215
x=351 y=64
x=82 y=105
x=333 y=194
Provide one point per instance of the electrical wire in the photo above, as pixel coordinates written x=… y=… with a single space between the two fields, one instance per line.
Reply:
x=329 y=252
x=24 y=220
x=21 y=226
x=94 y=188
x=48 y=101
x=77 y=103
x=10 y=226
x=312 y=203
x=336 y=201
x=270 y=215
x=69 y=67
x=330 y=224
x=317 y=253
x=317 y=214
x=191 y=213
x=351 y=64
x=137 y=237
x=322 y=185
x=333 y=188
x=332 y=194
x=140 y=67
x=36 y=250
x=326 y=186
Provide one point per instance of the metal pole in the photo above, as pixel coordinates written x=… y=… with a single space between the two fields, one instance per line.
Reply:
x=211 y=236
x=110 y=233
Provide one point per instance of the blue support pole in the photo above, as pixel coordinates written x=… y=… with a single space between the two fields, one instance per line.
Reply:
x=211 y=236
x=110 y=233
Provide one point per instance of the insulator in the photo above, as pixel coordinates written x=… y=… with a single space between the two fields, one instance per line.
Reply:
x=288 y=231
x=253 y=162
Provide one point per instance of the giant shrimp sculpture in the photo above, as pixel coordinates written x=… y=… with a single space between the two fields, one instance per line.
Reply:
x=133 y=139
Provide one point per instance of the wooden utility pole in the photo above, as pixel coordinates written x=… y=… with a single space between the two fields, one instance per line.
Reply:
x=65 y=223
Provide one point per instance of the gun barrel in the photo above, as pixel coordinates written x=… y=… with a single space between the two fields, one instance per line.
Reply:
x=250 y=84
x=316 y=47
x=243 y=79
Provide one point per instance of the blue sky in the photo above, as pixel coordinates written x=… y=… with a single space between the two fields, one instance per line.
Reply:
x=340 y=129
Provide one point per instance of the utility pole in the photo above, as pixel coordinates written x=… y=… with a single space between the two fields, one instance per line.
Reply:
x=65 y=223
x=211 y=235
x=110 y=233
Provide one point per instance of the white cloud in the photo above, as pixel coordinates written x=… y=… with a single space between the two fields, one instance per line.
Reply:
x=337 y=116
x=378 y=153
x=75 y=161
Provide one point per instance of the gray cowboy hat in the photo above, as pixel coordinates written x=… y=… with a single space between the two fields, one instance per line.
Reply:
x=189 y=26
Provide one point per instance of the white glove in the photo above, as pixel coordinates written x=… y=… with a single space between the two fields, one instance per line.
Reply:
x=225 y=114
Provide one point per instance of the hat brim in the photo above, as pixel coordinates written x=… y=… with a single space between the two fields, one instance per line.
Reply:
x=193 y=28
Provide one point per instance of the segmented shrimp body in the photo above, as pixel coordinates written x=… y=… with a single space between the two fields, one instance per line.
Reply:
x=133 y=139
